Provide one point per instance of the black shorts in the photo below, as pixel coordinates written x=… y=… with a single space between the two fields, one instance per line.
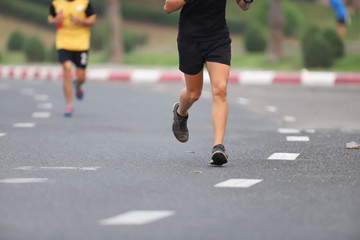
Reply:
x=193 y=55
x=79 y=58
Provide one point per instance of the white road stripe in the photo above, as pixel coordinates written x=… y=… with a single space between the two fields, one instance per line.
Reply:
x=136 y=218
x=297 y=139
x=45 y=106
x=41 y=115
x=32 y=168
x=284 y=156
x=288 y=131
x=310 y=130
x=41 y=97
x=23 y=180
x=243 y=101
x=24 y=125
x=27 y=91
x=271 y=109
x=289 y=119
x=2 y=134
x=238 y=183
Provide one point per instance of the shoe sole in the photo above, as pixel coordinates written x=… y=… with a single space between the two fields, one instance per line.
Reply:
x=173 y=126
x=218 y=158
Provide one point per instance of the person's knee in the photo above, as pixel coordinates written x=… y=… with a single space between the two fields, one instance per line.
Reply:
x=80 y=75
x=194 y=96
x=220 y=90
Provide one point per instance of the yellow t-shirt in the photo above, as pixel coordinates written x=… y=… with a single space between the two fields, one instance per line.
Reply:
x=72 y=37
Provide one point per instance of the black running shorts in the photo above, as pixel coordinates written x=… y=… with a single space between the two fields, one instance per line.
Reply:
x=193 y=55
x=79 y=58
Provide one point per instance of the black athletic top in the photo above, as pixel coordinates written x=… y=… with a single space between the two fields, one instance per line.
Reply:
x=203 y=20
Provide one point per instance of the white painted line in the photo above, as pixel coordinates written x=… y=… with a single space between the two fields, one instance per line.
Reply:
x=257 y=77
x=271 y=109
x=310 y=130
x=89 y=168
x=238 y=183
x=243 y=101
x=41 y=97
x=289 y=119
x=24 y=125
x=284 y=156
x=45 y=106
x=145 y=76
x=297 y=139
x=136 y=218
x=23 y=180
x=32 y=168
x=27 y=91
x=2 y=134
x=318 y=78
x=288 y=131
x=41 y=115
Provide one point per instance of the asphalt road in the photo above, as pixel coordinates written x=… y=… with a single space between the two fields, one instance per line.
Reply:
x=67 y=178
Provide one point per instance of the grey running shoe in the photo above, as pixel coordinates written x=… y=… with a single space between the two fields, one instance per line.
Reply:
x=179 y=126
x=219 y=156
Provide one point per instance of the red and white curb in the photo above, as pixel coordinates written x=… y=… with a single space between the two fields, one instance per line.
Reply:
x=245 y=77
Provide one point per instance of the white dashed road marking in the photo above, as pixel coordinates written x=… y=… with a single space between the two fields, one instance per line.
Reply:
x=41 y=97
x=238 y=183
x=297 y=138
x=284 y=156
x=310 y=130
x=136 y=218
x=32 y=168
x=288 y=131
x=41 y=115
x=289 y=119
x=23 y=180
x=2 y=134
x=24 y=125
x=45 y=106
x=27 y=91
x=243 y=101
x=271 y=109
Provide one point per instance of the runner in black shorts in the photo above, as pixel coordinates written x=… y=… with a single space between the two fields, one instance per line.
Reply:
x=203 y=38
x=73 y=19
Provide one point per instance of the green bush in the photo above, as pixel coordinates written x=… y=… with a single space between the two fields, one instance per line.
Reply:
x=100 y=34
x=132 y=39
x=52 y=55
x=292 y=16
x=316 y=50
x=16 y=41
x=34 y=50
x=255 y=39
x=335 y=42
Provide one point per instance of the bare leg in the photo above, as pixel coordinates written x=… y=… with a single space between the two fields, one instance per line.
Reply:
x=219 y=75
x=191 y=93
x=67 y=81
x=342 y=30
x=80 y=77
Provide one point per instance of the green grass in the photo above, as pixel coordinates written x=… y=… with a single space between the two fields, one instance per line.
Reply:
x=12 y=57
x=151 y=59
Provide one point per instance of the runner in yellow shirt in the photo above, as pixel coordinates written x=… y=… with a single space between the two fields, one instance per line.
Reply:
x=73 y=19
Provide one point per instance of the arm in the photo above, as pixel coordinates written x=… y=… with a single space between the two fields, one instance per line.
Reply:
x=53 y=17
x=173 y=5
x=244 y=4
x=90 y=19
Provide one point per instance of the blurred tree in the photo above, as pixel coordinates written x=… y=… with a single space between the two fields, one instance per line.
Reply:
x=115 y=19
x=276 y=29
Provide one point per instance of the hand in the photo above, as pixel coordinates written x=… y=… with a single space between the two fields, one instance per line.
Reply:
x=58 y=19
x=76 y=20
x=244 y=6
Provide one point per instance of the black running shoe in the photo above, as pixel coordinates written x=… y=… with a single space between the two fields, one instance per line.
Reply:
x=219 y=156
x=179 y=126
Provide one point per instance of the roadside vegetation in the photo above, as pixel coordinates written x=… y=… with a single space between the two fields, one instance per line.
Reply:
x=149 y=36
